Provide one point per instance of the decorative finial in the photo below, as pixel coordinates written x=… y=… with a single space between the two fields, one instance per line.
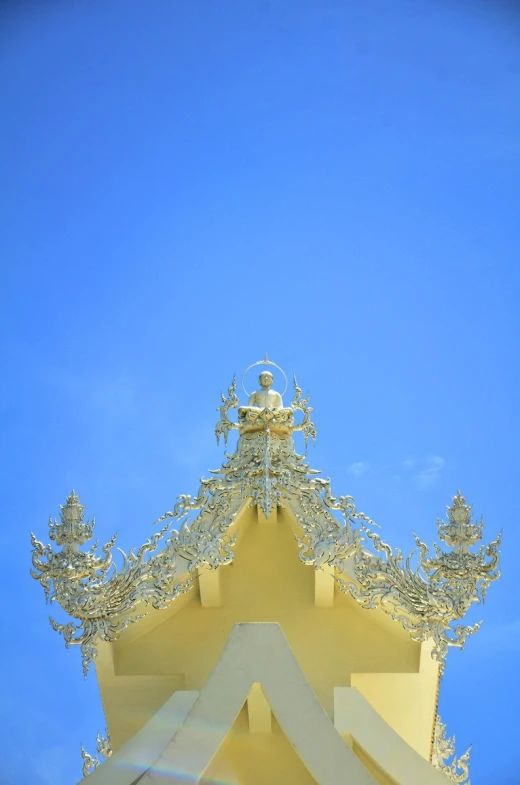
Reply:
x=71 y=531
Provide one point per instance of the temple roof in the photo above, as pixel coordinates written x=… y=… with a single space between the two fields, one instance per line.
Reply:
x=428 y=597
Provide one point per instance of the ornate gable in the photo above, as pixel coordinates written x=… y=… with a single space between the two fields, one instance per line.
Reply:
x=339 y=562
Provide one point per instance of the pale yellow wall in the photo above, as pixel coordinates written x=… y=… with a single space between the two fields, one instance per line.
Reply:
x=257 y=758
x=193 y=736
x=265 y=582
x=258 y=654
x=408 y=702
x=129 y=702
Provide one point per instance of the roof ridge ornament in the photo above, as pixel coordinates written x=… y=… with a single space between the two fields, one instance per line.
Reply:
x=265 y=409
x=99 y=597
x=430 y=598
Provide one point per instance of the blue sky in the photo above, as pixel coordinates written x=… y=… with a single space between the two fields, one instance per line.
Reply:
x=188 y=185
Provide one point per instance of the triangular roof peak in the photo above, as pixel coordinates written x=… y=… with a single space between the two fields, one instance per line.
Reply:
x=428 y=599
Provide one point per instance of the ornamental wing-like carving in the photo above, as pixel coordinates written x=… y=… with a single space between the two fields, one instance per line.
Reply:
x=430 y=598
x=225 y=425
x=101 y=598
x=299 y=403
x=456 y=769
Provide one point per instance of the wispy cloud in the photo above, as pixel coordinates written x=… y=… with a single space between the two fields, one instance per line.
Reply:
x=431 y=471
x=425 y=471
x=421 y=471
x=358 y=468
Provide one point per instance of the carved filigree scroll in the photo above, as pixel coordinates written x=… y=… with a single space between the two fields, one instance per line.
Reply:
x=430 y=598
x=301 y=404
x=225 y=425
x=101 y=598
x=104 y=748
x=457 y=770
x=90 y=762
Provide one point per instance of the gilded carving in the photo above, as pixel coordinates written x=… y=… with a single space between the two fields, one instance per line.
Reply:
x=430 y=598
x=457 y=770
x=100 y=598
x=104 y=749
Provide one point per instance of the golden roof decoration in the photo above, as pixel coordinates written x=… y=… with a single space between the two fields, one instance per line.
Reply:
x=428 y=594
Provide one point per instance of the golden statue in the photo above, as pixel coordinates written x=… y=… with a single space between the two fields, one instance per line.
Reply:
x=265 y=398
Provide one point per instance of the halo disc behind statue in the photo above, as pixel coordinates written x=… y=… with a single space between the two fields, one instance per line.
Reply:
x=265 y=361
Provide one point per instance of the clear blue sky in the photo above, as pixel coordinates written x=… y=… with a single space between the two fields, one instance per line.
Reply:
x=186 y=185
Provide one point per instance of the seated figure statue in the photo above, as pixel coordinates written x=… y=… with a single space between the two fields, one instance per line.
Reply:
x=265 y=398
x=265 y=410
